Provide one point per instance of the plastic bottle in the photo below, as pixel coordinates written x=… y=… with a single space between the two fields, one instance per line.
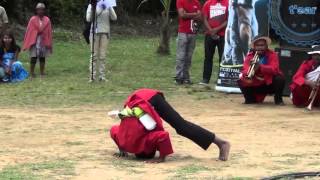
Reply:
x=147 y=121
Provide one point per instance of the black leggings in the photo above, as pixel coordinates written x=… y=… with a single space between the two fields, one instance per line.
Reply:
x=197 y=134
x=34 y=60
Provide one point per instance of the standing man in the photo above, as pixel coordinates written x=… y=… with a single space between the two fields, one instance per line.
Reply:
x=267 y=77
x=101 y=38
x=305 y=80
x=3 y=19
x=189 y=12
x=215 y=18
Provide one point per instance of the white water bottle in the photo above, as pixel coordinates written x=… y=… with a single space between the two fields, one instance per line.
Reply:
x=147 y=121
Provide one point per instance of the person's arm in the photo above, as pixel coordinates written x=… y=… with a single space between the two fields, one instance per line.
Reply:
x=206 y=23
x=4 y=18
x=215 y=30
x=306 y=81
x=113 y=15
x=184 y=15
x=100 y=9
x=121 y=153
x=89 y=13
x=298 y=77
x=206 y=14
x=312 y=84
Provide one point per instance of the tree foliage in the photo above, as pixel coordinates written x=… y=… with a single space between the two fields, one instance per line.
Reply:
x=65 y=11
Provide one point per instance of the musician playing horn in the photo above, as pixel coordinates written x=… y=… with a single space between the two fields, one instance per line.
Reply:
x=305 y=80
x=266 y=77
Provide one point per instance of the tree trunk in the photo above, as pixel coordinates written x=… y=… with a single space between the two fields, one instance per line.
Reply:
x=164 y=44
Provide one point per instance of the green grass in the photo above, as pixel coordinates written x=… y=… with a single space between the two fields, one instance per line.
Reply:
x=132 y=63
x=130 y=165
x=74 y=143
x=34 y=171
x=15 y=173
x=189 y=171
x=241 y=178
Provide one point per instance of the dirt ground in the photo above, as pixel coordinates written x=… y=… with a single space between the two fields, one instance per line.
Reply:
x=266 y=140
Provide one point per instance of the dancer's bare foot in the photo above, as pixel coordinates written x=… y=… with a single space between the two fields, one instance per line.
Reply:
x=224 y=148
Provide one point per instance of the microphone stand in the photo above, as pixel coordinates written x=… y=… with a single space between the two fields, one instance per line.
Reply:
x=93 y=30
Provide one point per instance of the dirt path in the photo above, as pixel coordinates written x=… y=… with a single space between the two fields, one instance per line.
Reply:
x=266 y=140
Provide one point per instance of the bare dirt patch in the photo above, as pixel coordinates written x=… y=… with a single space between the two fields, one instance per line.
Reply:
x=266 y=140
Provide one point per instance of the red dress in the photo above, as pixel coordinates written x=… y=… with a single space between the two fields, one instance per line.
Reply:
x=132 y=137
x=300 y=91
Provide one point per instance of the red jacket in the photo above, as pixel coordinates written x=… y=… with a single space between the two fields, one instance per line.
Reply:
x=265 y=72
x=301 y=91
x=306 y=67
x=131 y=136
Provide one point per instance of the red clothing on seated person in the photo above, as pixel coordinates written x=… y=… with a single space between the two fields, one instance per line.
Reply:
x=300 y=91
x=264 y=74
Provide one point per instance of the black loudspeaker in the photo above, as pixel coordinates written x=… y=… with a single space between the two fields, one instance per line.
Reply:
x=290 y=60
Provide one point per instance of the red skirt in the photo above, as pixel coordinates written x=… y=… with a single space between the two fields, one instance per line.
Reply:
x=300 y=96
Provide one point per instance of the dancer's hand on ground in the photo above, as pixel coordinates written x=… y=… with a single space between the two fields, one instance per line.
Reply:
x=121 y=154
x=156 y=161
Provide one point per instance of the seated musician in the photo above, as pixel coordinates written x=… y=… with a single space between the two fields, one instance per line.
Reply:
x=265 y=78
x=306 y=79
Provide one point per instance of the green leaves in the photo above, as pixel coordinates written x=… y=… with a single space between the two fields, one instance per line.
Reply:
x=165 y=3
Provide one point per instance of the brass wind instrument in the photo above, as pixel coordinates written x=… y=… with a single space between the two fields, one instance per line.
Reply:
x=253 y=62
x=314 y=94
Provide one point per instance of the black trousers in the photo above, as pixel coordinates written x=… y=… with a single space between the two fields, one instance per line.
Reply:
x=195 y=133
x=209 y=48
x=276 y=88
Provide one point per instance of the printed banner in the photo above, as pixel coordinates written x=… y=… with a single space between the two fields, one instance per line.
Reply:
x=247 y=19
x=296 y=21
